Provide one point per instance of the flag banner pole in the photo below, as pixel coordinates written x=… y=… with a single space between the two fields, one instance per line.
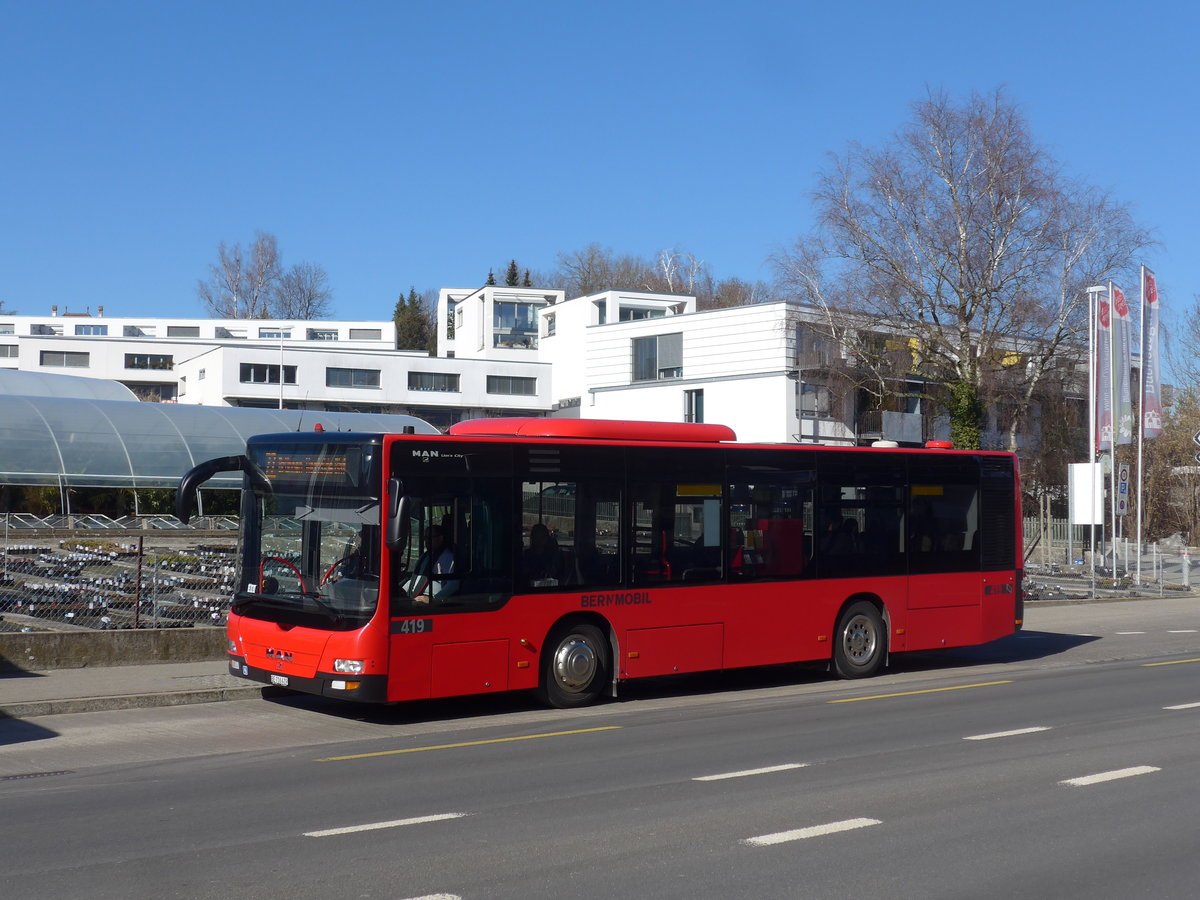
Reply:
x=1149 y=391
x=1141 y=431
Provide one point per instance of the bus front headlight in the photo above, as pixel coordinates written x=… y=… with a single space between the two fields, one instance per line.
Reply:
x=349 y=666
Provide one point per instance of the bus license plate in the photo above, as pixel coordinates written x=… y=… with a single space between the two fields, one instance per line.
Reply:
x=281 y=680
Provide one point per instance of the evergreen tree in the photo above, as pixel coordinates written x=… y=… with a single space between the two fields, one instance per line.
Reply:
x=513 y=276
x=414 y=331
x=527 y=282
x=491 y=282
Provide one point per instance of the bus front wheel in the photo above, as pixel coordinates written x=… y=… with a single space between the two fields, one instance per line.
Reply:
x=575 y=665
x=861 y=641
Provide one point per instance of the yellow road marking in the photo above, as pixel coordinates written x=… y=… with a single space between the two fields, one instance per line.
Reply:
x=507 y=740
x=1174 y=662
x=961 y=687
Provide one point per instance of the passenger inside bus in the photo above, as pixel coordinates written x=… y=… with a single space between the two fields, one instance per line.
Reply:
x=542 y=560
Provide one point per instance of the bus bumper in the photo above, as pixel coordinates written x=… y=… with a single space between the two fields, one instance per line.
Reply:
x=363 y=688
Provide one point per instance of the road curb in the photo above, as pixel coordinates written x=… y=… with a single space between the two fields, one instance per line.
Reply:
x=33 y=708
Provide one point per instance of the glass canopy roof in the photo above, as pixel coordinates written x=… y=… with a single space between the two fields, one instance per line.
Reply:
x=84 y=442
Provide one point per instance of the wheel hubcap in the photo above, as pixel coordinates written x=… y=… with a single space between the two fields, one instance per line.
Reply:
x=859 y=640
x=574 y=664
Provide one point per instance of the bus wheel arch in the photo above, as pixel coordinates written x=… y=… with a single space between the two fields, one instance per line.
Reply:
x=860 y=643
x=576 y=662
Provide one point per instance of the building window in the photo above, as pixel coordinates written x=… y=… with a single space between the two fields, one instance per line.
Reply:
x=368 y=408
x=183 y=384
x=322 y=334
x=352 y=378
x=366 y=334
x=91 y=330
x=632 y=313
x=601 y=311
x=432 y=381
x=658 y=357
x=7 y=328
x=549 y=325
x=815 y=400
x=155 y=393
x=275 y=334
x=148 y=361
x=514 y=325
x=266 y=373
x=511 y=384
x=199 y=376
x=63 y=358
x=183 y=331
x=693 y=406
x=45 y=330
x=8 y=351
x=222 y=333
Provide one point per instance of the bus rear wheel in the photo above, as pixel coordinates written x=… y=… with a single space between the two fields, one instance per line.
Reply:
x=575 y=666
x=861 y=641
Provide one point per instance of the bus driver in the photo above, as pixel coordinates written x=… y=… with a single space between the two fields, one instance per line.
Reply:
x=438 y=559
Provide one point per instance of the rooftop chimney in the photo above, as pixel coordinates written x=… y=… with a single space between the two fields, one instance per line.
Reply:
x=54 y=310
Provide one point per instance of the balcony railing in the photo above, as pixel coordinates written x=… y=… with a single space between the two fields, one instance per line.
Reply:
x=882 y=425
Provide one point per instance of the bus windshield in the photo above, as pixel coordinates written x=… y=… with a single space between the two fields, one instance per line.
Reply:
x=312 y=544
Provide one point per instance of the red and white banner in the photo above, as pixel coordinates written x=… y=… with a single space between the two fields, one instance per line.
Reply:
x=1104 y=420
x=1121 y=365
x=1152 y=420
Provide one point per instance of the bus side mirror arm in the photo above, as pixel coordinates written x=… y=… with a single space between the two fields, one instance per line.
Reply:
x=189 y=484
x=399 y=506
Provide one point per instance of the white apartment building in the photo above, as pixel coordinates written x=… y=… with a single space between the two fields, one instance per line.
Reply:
x=501 y=351
x=338 y=366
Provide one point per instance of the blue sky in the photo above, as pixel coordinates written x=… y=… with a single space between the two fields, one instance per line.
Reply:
x=407 y=143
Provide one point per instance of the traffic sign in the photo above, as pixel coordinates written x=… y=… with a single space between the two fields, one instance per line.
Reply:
x=1123 y=489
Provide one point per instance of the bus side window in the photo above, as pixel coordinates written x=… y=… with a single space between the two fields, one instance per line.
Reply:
x=771 y=526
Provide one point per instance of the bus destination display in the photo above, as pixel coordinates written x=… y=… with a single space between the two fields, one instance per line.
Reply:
x=303 y=465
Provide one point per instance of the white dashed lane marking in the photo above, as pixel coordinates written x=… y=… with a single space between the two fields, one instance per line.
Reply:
x=747 y=772
x=1099 y=777
x=800 y=834
x=375 y=826
x=1003 y=734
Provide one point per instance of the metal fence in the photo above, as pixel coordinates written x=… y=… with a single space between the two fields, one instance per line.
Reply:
x=83 y=573
x=96 y=578
x=1055 y=547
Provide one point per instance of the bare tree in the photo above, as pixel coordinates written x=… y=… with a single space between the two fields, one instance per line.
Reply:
x=4 y=310
x=241 y=283
x=963 y=236
x=303 y=292
x=1171 y=491
x=679 y=272
x=736 y=292
x=1184 y=347
x=594 y=268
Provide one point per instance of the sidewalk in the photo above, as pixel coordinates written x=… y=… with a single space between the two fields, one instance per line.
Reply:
x=89 y=689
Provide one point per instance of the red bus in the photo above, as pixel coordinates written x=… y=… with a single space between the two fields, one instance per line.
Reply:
x=568 y=555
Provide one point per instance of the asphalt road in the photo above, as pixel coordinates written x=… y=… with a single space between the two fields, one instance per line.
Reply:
x=1060 y=762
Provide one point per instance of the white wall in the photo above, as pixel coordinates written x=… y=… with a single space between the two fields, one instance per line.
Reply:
x=222 y=383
